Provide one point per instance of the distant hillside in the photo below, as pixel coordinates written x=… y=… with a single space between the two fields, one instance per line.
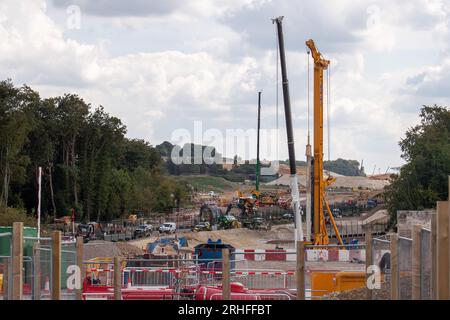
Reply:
x=244 y=171
x=340 y=166
x=207 y=183
x=236 y=173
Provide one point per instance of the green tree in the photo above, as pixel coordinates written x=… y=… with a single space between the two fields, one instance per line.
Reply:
x=71 y=114
x=423 y=180
x=344 y=167
x=88 y=163
x=15 y=124
x=102 y=136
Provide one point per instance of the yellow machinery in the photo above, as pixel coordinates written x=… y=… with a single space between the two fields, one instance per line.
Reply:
x=319 y=184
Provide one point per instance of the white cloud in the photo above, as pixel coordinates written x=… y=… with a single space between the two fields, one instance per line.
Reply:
x=206 y=60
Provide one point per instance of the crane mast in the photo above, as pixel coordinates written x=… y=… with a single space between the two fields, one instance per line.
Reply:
x=290 y=134
x=258 y=163
x=319 y=184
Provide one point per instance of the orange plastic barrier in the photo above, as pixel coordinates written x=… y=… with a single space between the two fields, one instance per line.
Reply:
x=323 y=283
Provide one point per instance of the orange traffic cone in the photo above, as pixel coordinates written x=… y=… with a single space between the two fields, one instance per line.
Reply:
x=129 y=281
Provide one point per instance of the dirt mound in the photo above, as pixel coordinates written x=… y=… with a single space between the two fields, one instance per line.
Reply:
x=341 y=181
x=379 y=215
x=98 y=248
x=241 y=238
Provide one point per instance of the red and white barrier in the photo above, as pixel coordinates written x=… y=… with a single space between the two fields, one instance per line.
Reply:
x=134 y=270
x=269 y=273
x=311 y=255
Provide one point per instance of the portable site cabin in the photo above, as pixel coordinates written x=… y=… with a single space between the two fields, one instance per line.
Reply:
x=209 y=254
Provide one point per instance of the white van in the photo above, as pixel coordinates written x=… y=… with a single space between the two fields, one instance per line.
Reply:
x=168 y=227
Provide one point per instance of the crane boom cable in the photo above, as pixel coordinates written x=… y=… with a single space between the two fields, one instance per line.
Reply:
x=328 y=112
x=277 y=74
x=309 y=106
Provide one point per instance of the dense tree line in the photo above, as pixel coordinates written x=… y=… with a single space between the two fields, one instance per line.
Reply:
x=344 y=167
x=192 y=166
x=423 y=180
x=339 y=166
x=242 y=170
x=88 y=164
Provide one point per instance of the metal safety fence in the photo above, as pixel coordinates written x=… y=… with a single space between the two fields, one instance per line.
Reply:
x=68 y=262
x=37 y=260
x=404 y=272
x=192 y=279
x=425 y=265
x=381 y=258
x=37 y=268
x=330 y=268
x=6 y=266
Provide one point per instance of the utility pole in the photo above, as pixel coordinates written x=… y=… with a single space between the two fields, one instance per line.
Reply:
x=39 y=202
x=290 y=134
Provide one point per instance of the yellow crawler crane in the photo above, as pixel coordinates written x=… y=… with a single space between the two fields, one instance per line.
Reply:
x=319 y=184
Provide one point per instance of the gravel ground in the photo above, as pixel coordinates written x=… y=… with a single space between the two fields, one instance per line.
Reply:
x=384 y=293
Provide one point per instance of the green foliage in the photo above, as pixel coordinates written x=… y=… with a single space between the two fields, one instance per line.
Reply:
x=164 y=149
x=10 y=215
x=424 y=179
x=15 y=125
x=239 y=173
x=87 y=162
x=207 y=183
x=344 y=167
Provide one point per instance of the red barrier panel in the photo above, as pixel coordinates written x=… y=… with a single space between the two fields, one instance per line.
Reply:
x=249 y=256
x=279 y=255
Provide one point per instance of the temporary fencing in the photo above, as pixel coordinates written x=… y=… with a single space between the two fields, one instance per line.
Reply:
x=404 y=268
x=6 y=266
x=381 y=257
x=425 y=265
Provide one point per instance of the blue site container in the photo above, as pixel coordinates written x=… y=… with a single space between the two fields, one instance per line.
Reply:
x=209 y=254
x=182 y=241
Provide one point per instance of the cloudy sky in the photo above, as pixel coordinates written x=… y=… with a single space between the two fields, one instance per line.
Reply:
x=162 y=66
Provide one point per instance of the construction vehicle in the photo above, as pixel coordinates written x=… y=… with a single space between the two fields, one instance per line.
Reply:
x=210 y=212
x=257 y=223
x=90 y=231
x=290 y=133
x=202 y=226
x=228 y=222
x=267 y=199
x=319 y=183
x=246 y=206
x=248 y=213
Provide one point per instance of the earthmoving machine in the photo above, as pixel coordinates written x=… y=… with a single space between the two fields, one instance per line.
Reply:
x=228 y=221
x=89 y=231
x=209 y=212
x=319 y=183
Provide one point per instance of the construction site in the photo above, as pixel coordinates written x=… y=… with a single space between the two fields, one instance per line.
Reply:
x=308 y=234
